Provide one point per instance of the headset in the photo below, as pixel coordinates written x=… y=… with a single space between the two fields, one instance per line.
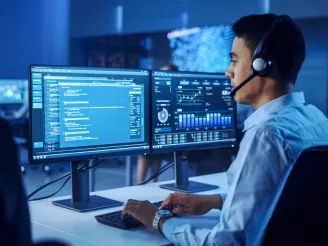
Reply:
x=262 y=61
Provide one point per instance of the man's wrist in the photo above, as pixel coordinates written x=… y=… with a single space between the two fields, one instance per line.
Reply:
x=217 y=201
x=161 y=223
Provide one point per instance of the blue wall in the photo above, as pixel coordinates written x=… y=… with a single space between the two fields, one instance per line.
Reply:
x=300 y=9
x=106 y=17
x=313 y=77
x=32 y=32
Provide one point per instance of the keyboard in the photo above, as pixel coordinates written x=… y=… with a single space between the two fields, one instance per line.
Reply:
x=117 y=220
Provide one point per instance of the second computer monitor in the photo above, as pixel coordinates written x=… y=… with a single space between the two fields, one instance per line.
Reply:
x=191 y=111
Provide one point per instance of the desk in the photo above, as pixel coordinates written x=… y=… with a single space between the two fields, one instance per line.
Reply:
x=82 y=229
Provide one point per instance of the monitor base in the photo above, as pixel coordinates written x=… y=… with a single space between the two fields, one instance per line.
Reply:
x=95 y=202
x=191 y=187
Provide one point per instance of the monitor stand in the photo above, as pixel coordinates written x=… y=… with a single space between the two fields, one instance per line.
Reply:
x=81 y=200
x=182 y=182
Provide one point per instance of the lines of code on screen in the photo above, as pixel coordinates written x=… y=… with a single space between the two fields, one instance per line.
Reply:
x=84 y=109
x=89 y=112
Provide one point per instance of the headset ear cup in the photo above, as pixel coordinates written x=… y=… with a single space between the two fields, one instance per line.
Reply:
x=259 y=64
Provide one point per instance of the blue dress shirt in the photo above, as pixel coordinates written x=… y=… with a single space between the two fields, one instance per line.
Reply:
x=275 y=135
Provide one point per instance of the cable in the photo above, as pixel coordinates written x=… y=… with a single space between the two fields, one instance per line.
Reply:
x=45 y=197
x=47 y=184
x=87 y=168
x=83 y=168
x=159 y=172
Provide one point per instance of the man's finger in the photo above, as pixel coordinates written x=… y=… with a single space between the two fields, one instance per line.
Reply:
x=177 y=194
x=147 y=202
x=180 y=200
x=168 y=197
x=132 y=201
x=130 y=208
x=167 y=202
x=173 y=201
x=174 y=195
x=186 y=210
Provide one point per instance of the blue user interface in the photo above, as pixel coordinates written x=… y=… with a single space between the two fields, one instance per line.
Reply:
x=191 y=111
x=82 y=113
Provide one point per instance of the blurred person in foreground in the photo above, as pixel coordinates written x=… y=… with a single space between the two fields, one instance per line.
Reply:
x=14 y=213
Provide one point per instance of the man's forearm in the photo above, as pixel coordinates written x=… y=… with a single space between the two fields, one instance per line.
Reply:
x=216 y=202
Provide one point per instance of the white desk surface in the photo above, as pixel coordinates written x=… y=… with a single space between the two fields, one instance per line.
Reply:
x=82 y=229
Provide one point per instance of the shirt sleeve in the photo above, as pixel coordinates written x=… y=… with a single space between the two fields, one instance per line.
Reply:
x=262 y=167
x=223 y=196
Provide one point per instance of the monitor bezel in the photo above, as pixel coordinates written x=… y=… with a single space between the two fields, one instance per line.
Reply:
x=108 y=154
x=191 y=147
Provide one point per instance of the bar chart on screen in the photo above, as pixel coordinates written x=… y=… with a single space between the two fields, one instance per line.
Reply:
x=203 y=120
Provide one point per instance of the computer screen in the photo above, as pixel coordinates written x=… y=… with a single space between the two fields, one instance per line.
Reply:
x=79 y=113
x=13 y=91
x=192 y=111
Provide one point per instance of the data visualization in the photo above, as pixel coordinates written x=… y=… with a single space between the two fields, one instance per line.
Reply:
x=88 y=112
x=190 y=96
x=191 y=111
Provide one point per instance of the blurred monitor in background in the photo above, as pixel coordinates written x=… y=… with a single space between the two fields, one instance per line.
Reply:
x=13 y=91
x=13 y=98
x=201 y=49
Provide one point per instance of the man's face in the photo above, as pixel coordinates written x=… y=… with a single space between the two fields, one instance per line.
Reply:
x=239 y=70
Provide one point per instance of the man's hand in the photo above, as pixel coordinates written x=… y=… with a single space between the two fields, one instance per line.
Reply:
x=143 y=211
x=192 y=204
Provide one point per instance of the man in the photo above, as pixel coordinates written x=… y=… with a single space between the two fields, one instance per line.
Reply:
x=153 y=161
x=281 y=127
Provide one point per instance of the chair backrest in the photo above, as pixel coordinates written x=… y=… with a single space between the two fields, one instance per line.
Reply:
x=50 y=243
x=301 y=214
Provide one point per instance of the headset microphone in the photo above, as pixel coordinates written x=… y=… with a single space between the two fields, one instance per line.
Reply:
x=237 y=88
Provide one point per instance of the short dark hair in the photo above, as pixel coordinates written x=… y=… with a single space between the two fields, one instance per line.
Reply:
x=286 y=44
x=171 y=67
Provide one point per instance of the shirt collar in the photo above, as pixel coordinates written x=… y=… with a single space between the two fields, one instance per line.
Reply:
x=263 y=112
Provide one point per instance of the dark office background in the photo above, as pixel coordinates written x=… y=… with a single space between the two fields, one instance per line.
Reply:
x=132 y=34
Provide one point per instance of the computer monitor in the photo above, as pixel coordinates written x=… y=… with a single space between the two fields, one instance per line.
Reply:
x=191 y=111
x=13 y=96
x=87 y=113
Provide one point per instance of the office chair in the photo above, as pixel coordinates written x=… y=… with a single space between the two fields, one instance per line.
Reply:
x=50 y=243
x=301 y=215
